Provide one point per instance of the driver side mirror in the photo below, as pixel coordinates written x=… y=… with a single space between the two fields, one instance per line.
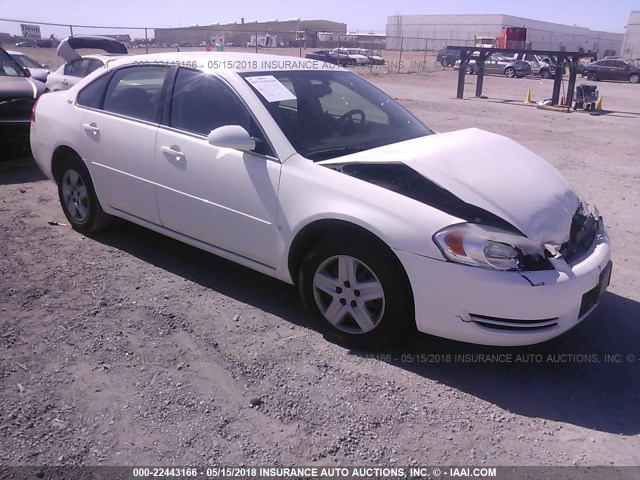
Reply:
x=27 y=71
x=231 y=136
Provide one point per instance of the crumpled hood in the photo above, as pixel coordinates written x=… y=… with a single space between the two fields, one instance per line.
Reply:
x=491 y=172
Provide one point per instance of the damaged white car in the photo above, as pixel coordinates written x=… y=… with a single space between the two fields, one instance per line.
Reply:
x=318 y=178
x=77 y=67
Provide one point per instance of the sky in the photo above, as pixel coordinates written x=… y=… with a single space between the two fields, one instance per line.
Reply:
x=360 y=15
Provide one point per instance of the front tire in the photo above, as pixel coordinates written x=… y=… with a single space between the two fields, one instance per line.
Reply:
x=634 y=78
x=357 y=292
x=468 y=70
x=546 y=74
x=592 y=76
x=509 y=72
x=78 y=197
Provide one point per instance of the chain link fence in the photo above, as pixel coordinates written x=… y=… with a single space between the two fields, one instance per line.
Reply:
x=400 y=54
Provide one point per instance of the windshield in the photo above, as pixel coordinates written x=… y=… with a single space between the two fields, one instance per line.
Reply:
x=326 y=114
x=9 y=67
x=26 y=62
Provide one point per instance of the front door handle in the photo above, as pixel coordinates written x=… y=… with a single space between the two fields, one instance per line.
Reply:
x=173 y=151
x=91 y=127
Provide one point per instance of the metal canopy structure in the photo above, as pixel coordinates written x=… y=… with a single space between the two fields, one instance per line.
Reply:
x=559 y=57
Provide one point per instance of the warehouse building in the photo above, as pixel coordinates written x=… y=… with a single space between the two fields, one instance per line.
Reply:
x=631 y=42
x=272 y=33
x=417 y=32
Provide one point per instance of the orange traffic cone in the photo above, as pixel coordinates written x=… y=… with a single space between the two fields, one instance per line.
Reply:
x=599 y=104
x=527 y=99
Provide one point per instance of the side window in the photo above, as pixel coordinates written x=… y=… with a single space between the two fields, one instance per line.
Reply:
x=202 y=103
x=74 y=68
x=92 y=65
x=135 y=91
x=93 y=94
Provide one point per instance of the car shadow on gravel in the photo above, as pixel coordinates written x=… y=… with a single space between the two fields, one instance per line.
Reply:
x=584 y=377
x=208 y=270
x=19 y=171
x=588 y=377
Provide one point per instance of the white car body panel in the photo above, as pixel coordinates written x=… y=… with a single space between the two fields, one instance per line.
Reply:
x=236 y=191
x=249 y=208
x=123 y=164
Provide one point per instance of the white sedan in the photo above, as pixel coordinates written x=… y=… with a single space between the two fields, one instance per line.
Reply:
x=77 y=67
x=306 y=172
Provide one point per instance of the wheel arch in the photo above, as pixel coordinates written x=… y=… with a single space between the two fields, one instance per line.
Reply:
x=60 y=154
x=318 y=229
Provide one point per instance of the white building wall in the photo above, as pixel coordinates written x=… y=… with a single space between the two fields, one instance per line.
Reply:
x=631 y=42
x=415 y=32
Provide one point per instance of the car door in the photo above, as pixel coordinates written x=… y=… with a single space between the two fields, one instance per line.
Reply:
x=606 y=70
x=491 y=65
x=620 y=70
x=223 y=197
x=120 y=122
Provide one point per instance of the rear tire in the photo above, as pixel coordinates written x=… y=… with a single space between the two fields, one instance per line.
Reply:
x=545 y=73
x=356 y=291
x=509 y=72
x=78 y=197
x=468 y=70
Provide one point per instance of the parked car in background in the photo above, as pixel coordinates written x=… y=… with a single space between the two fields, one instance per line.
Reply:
x=609 y=69
x=374 y=58
x=447 y=56
x=541 y=65
x=336 y=58
x=77 y=67
x=36 y=70
x=18 y=93
x=316 y=177
x=497 y=64
x=354 y=54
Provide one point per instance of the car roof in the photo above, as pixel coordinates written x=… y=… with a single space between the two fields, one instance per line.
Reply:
x=230 y=61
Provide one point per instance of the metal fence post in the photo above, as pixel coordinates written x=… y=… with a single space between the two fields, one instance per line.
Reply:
x=424 y=60
x=400 y=59
x=71 y=29
x=146 y=41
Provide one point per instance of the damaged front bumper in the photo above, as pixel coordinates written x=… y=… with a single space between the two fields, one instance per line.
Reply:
x=506 y=308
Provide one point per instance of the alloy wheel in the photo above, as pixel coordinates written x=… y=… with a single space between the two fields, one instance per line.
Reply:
x=75 y=196
x=348 y=294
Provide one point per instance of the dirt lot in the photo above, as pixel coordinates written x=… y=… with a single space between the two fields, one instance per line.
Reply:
x=130 y=348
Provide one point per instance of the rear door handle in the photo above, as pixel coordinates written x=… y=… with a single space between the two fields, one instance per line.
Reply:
x=91 y=127
x=173 y=151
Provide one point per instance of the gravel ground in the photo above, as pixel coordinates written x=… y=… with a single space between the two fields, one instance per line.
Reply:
x=129 y=348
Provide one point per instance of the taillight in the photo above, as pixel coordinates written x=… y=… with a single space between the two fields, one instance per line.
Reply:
x=33 y=111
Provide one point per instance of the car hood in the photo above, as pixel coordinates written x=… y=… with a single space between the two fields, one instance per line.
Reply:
x=20 y=87
x=68 y=46
x=491 y=172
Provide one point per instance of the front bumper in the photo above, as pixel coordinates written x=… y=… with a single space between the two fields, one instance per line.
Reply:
x=490 y=307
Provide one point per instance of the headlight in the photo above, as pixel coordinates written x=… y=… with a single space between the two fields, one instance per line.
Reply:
x=489 y=247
